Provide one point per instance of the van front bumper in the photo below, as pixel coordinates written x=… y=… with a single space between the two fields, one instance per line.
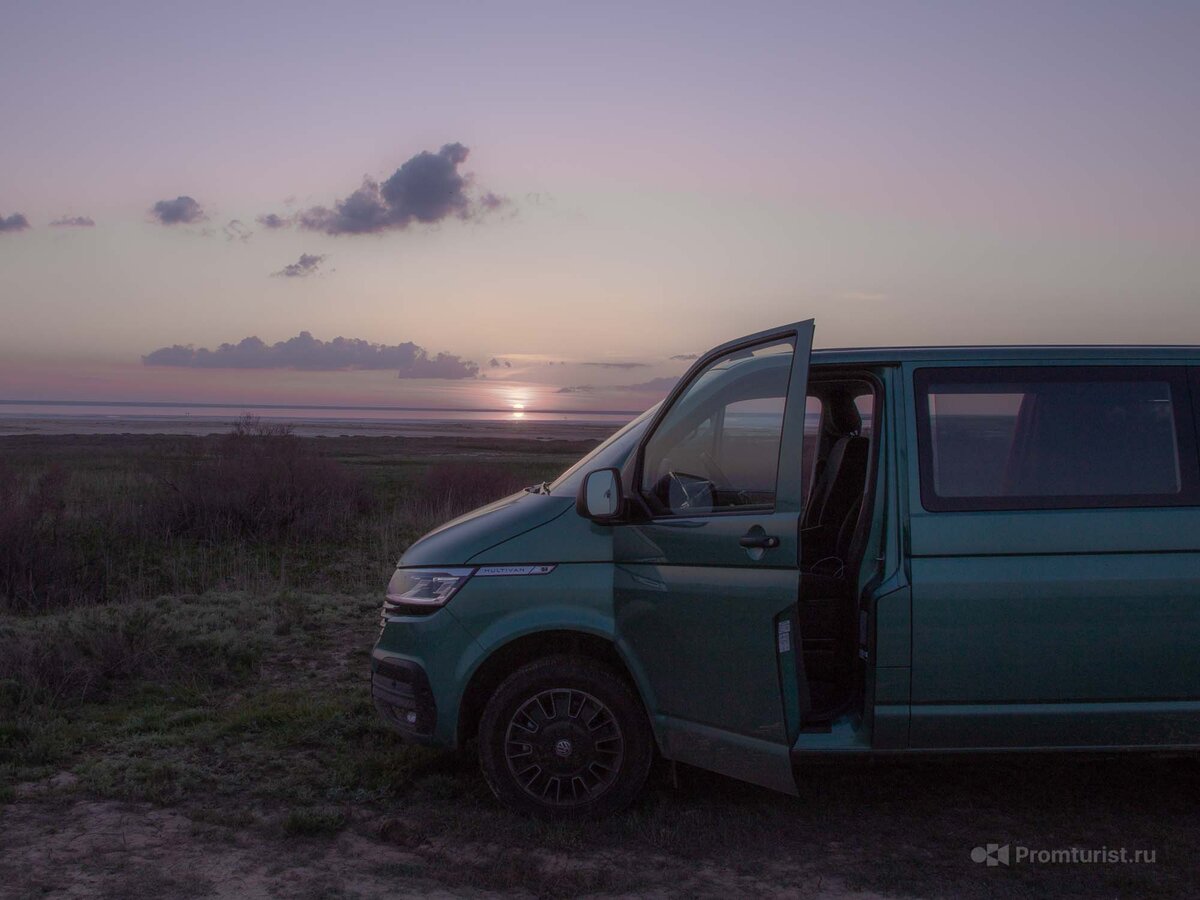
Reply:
x=403 y=697
x=416 y=676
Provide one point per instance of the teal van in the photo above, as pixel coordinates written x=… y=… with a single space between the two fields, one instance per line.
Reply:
x=804 y=553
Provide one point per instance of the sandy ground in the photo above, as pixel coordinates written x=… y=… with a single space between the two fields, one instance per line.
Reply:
x=55 y=846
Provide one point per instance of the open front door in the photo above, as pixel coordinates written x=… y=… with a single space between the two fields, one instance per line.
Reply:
x=707 y=568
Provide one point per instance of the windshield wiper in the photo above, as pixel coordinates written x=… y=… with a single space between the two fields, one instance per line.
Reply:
x=543 y=488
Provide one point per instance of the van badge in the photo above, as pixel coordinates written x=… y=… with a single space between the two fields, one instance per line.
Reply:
x=493 y=571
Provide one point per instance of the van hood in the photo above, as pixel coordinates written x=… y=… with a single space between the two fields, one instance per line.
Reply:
x=481 y=529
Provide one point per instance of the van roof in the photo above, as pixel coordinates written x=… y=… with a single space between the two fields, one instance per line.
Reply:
x=1014 y=353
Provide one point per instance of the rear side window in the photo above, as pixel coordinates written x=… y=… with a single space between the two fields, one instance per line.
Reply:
x=1060 y=437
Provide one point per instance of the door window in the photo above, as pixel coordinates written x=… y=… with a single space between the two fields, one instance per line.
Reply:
x=1046 y=438
x=717 y=449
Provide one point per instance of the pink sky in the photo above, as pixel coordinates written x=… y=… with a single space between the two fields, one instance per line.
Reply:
x=674 y=175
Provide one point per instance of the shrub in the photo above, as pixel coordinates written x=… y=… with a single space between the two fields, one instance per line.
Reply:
x=44 y=560
x=450 y=489
x=82 y=656
x=263 y=483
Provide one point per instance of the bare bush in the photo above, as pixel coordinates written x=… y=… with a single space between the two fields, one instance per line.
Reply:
x=87 y=655
x=450 y=489
x=465 y=485
x=263 y=483
x=44 y=560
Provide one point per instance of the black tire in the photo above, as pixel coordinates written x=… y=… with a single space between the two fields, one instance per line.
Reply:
x=565 y=737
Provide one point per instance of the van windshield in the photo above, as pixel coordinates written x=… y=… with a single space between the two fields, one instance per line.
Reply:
x=612 y=453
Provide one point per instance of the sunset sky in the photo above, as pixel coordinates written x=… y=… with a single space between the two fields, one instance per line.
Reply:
x=578 y=192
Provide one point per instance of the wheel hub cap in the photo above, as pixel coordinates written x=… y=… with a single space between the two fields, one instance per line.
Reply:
x=564 y=747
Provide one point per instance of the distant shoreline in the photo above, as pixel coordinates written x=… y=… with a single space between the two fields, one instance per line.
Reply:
x=500 y=429
x=173 y=404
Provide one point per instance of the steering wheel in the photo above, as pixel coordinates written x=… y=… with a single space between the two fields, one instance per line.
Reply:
x=714 y=468
x=697 y=492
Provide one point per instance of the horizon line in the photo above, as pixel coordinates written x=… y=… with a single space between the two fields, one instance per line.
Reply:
x=304 y=406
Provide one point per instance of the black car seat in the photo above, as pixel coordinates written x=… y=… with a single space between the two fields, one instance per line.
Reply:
x=839 y=481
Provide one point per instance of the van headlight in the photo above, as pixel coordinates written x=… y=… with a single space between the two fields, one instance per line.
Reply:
x=425 y=589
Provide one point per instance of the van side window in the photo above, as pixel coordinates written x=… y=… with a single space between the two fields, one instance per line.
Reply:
x=1055 y=438
x=717 y=448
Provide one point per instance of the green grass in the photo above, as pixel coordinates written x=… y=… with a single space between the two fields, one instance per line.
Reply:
x=245 y=707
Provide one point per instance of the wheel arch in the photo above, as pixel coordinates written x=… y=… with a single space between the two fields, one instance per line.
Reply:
x=512 y=655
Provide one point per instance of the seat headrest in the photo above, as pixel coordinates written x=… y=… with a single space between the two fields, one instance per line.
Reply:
x=842 y=416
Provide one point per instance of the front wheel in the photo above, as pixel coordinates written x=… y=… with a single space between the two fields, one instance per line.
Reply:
x=565 y=738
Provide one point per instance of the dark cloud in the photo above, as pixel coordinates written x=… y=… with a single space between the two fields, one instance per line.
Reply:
x=236 y=231
x=272 y=221
x=654 y=385
x=428 y=188
x=73 y=222
x=15 y=222
x=312 y=354
x=180 y=211
x=657 y=385
x=686 y=356
x=617 y=365
x=494 y=363
x=306 y=265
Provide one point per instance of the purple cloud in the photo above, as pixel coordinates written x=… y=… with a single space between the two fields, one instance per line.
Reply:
x=15 y=222
x=180 y=211
x=428 y=188
x=236 y=230
x=272 y=221
x=306 y=265
x=73 y=222
x=312 y=354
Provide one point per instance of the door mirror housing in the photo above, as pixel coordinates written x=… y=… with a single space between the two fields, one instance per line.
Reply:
x=600 y=496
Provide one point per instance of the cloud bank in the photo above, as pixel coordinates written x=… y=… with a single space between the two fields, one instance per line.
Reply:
x=307 y=264
x=182 y=210
x=73 y=222
x=428 y=188
x=654 y=385
x=15 y=222
x=617 y=365
x=236 y=230
x=312 y=354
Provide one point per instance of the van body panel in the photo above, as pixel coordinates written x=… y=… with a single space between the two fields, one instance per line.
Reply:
x=890 y=707
x=702 y=613
x=1052 y=627
x=1035 y=532
x=762 y=762
x=438 y=643
x=566 y=538
x=460 y=539
x=1167 y=725
x=574 y=597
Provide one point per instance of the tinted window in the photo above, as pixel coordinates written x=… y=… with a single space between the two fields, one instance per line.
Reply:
x=1054 y=437
x=718 y=446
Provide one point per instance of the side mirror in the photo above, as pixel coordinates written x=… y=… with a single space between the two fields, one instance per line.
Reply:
x=600 y=495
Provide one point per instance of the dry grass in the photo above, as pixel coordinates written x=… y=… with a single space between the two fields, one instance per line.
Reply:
x=256 y=509
x=227 y=735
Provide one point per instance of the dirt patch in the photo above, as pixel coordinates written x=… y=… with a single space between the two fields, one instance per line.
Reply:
x=86 y=848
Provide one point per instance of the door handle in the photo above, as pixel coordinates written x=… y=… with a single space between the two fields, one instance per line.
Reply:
x=758 y=540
